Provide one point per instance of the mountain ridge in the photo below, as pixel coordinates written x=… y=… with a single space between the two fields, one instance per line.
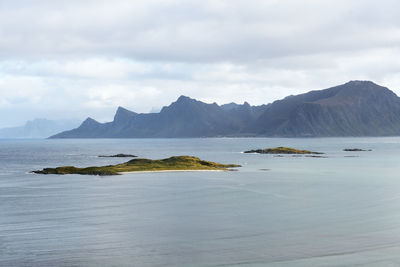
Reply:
x=356 y=108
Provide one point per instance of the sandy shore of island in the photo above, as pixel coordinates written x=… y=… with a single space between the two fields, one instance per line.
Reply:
x=174 y=171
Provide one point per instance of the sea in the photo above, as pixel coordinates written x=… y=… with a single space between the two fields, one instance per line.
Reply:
x=342 y=209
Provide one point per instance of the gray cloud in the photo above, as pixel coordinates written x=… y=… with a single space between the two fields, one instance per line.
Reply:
x=196 y=30
x=77 y=58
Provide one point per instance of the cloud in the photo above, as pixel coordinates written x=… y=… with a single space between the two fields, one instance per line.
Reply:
x=61 y=59
x=187 y=31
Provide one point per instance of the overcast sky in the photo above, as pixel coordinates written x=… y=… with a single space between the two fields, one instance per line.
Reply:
x=74 y=59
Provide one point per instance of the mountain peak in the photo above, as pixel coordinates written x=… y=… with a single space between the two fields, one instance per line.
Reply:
x=184 y=99
x=123 y=114
x=362 y=89
x=89 y=121
x=361 y=82
x=357 y=84
x=121 y=110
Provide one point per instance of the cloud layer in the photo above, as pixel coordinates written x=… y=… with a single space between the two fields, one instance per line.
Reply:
x=72 y=59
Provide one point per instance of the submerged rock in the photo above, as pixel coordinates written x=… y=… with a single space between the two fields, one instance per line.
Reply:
x=314 y=156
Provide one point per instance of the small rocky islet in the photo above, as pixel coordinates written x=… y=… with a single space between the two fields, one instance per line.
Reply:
x=356 y=150
x=282 y=150
x=118 y=156
x=176 y=163
x=278 y=151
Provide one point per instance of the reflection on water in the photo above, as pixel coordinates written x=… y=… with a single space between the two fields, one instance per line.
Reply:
x=334 y=211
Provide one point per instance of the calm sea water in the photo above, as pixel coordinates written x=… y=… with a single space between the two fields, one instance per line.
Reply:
x=274 y=211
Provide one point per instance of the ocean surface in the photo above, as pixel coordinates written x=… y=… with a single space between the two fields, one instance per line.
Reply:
x=342 y=210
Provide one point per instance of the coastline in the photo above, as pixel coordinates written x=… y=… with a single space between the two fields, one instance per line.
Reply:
x=174 y=171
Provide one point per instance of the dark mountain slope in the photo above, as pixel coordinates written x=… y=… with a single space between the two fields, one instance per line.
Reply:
x=89 y=128
x=357 y=108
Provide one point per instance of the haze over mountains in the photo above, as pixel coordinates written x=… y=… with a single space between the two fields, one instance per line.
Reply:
x=38 y=128
x=357 y=108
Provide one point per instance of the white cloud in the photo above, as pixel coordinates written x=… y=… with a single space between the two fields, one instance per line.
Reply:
x=84 y=58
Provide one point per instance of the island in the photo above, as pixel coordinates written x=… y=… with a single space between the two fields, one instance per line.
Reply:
x=118 y=156
x=355 y=149
x=176 y=163
x=281 y=150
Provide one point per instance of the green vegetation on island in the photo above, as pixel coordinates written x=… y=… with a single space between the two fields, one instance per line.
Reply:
x=281 y=150
x=176 y=163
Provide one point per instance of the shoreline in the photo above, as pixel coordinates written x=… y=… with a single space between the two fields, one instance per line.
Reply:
x=173 y=171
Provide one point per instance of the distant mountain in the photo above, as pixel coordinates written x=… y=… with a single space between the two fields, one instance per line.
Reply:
x=186 y=117
x=38 y=128
x=357 y=108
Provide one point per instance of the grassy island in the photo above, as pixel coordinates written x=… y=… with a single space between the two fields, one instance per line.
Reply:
x=135 y=165
x=281 y=150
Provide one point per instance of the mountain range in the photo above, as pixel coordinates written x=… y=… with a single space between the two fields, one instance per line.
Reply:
x=38 y=128
x=357 y=108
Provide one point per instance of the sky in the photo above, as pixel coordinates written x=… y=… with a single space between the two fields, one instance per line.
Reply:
x=63 y=59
